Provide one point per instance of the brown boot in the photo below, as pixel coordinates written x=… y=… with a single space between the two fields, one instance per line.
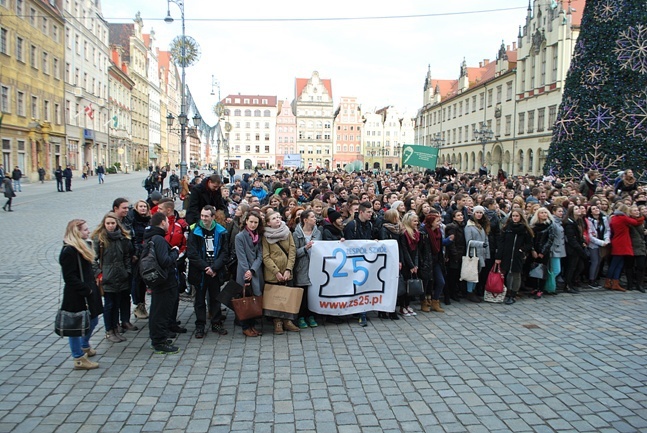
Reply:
x=278 y=327
x=112 y=336
x=607 y=284
x=435 y=306
x=615 y=285
x=289 y=326
x=83 y=363
x=425 y=305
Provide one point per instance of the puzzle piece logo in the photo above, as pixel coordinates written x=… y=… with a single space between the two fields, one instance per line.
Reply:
x=348 y=276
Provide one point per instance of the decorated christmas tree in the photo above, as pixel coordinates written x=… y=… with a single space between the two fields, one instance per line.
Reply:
x=602 y=120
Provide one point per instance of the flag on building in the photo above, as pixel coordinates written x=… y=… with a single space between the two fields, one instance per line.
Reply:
x=89 y=111
x=115 y=121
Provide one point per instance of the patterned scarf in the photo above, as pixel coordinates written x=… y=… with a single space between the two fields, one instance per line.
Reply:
x=254 y=236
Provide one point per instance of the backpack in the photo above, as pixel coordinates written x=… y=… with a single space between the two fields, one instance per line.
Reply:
x=149 y=269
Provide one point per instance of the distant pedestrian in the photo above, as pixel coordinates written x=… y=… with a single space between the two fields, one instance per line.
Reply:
x=16 y=175
x=80 y=291
x=2 y=175
x=101 y=173
x=58 y=174
x=8 y=193
x=41 y=174
x=67 y=174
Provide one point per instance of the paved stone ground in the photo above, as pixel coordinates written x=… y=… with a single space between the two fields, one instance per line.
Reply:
x=476 y=368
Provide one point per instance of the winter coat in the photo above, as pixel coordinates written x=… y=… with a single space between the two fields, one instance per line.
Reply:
x=479 y=240
x=558 y=248
x=356 y=229
x=114 y=260
x=386 y=234
x=455 y=249
x=574 y=239
x=331 y=233
x=588 y=187
x=410 y=258
x=302 y=263
x=250 y=258
x=638 y=240
x=16 y=174
x=543 y=239
x=275 y=260
x=620 y=237
x=8 y=188
x=76 y=292
x=174 y=181
x=515 y=243
x=175 y=234
x=196 y=251
x=425 y=257
x=139 y=226
x=201 y=196
x=495 y=230
x=595 y=228
x=166 y=257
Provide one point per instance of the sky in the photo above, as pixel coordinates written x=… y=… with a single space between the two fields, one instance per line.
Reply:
x=380 y=61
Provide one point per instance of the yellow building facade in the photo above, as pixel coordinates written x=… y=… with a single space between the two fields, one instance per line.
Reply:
x=32 y=88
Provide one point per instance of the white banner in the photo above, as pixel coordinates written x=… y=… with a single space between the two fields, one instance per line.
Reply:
x=292 y=160
x=353 y=277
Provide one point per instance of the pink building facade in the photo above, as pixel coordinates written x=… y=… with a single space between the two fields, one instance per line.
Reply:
x=348 y=132
x=286 y=132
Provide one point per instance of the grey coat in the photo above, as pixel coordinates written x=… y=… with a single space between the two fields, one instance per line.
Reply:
x=638 y=240
x=302 y=263
x=479 y=242
x=250 y=257
x=558 y=249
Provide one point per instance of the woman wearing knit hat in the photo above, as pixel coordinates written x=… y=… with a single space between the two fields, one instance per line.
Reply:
x=476 y=239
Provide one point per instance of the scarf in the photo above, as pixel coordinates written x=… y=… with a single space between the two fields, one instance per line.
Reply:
x=393 y=228
x=254 y=236
x=412 y=240
x=435 y=237
x=628 y=180
x=273 y=235
x=114 y=236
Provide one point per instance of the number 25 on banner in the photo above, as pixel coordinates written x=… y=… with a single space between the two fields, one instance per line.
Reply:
x=356 y=270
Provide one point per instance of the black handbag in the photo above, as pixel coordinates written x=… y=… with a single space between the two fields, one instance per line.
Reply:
x=415 y=287
x=73 y=324
x=402 y=286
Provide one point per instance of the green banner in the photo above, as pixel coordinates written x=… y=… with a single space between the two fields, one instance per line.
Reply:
x=419 y=156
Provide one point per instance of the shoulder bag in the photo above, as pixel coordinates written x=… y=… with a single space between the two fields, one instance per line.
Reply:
x=68 y=324
x=495 y=283
x=248 y=307
x=415 y=287
x=470 y=265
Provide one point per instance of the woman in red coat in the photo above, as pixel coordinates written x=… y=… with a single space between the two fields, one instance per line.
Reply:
x=620 y=244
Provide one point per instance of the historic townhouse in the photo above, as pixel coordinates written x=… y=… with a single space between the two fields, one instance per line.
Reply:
x=87 y=61
x=347 y=139
x=129 y=37
x=313 y=106
x=252 y=140
x=32 y=87
x=170 y=95
x=286 y=132
x=120 y=87
x=516 y=97
x=155 y=151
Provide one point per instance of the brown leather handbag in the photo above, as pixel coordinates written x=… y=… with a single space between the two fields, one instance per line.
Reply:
x=248 y=307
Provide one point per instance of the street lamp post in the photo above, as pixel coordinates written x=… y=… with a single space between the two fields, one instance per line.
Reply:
x=483 y=134
x=437 y=140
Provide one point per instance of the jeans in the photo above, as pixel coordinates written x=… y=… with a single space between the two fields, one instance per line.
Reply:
x=470 y=286
x=556 y=268
x=594 y=269
x=77 y=344
x=100 y=175
x=615 y=268
x=16 y=186
x=116 y=307
x=439 y=281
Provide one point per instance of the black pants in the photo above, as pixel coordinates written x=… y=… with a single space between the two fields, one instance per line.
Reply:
x=160 y=313
x=635 y=271
x=574 y=268
x=8 y=203
x=59 y=185
x=452 y=284
x=68 y=184
x=209 y=286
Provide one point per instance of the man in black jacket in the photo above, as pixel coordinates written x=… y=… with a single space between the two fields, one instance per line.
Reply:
x=361 y=228
x=162 y=296
x=203 y=194
x=208 y=254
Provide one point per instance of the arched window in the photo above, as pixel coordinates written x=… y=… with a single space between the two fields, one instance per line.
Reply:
x=520 y=160
x=531 y=161
x=257 y=113
x=266 y=113
x=236 y=112
x=345 y=148
x=248 y=113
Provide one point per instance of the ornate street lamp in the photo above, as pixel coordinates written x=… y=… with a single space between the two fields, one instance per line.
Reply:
x=483 y=134
x=437 y=140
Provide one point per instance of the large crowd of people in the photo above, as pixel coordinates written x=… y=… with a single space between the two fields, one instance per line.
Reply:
x=546 y=234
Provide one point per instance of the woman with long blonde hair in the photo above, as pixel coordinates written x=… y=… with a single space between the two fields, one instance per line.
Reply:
x=80 y=291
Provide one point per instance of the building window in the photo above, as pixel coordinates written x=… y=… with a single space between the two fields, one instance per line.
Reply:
x=257 y=113
x=533 y=71
x=32 y=17
x=499 y=94
x=4 y=44
x=531 y=121
x=45 y=63
x=267 y=149
x=523 y=75
x=508 y=124
x=552 y=116
x=32 y=57
x=482 y=101
x=19 y=49
x=20 y=8
x=57 y=114
x=541 y=119
x=34 y=107
x=522 y=122
x=489 y=97
x=46 y=113
x=45 y=26
x=553 y=76
x=57 y=75
x=55 y=33
x=4 y=99
x=508 y=91
x=542 y=78
x=266 y=113
x=20 y=103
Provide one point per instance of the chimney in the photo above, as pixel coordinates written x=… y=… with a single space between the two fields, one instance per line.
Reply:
x=514 y=46
x=480 y=64
x=486 y=62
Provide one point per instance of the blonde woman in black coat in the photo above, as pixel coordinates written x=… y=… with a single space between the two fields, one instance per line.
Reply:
x=80 y=291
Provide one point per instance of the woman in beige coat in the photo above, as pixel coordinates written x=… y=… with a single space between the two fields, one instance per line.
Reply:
x=279 y=253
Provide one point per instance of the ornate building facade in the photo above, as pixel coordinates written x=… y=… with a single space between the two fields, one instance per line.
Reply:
x=347 y=138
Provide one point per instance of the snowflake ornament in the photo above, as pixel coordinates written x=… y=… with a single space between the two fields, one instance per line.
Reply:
x=569 y=118
x=595 y=159
x=595 y=76
x=631 y=49
x=607 y=10
x=599 y=118
x=635 y=115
